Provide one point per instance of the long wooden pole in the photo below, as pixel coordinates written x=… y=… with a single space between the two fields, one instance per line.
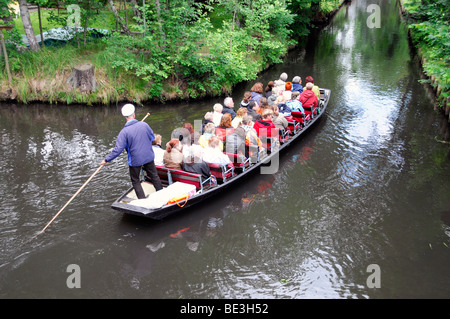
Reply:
x=70 y=200
x=145 y=117
x=79 y=190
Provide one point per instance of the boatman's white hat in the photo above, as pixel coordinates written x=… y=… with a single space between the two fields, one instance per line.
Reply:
x=127 y=110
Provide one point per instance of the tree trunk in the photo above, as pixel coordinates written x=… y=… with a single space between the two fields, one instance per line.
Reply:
x=40 y=25
x=6 y=57
x=86 y=22
x=118 y=17
x=160 y=22
x=27 y=25
x=83 y=77
x=136 y=11
x=125 y=9
x=234 y=20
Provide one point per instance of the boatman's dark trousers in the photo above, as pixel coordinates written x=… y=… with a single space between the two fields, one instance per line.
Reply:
x=152 y=174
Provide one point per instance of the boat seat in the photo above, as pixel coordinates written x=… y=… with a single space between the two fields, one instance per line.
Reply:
x=293 y=124
x=309 y=112
x=221 y=172
x=301 y=117
x=270 y=142
x=169 y=176
x=240 y=162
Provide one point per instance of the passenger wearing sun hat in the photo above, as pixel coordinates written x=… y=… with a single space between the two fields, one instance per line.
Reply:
x=136 y=137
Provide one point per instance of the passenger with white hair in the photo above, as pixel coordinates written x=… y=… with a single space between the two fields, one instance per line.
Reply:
x=217 y=114
x=228 y=105
x=308 y=97
x=280 y=84
x=297 y=84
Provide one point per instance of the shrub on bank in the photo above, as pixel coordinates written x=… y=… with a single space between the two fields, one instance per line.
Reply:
x=429 y=25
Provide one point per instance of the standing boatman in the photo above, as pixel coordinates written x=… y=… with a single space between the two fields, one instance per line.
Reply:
x=136 y=137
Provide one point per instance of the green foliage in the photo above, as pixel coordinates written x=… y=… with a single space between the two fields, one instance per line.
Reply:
x=14 y=41
x=4 y=10
x=179 y=52
x=181 y=46
x=429 y=23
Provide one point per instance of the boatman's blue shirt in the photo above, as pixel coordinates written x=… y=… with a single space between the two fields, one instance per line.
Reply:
x=136 y=137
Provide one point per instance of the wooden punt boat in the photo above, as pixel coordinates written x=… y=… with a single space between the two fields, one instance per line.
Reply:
x=203 y=190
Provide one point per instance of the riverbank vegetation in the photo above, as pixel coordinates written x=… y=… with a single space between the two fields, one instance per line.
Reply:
x=164 y=50
x=429 y=23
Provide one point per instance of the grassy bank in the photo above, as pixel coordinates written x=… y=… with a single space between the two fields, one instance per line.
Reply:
x=41 y=77
x=428 y=22
x=213 y=56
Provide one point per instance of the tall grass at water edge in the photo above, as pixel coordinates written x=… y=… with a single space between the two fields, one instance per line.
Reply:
x=41 y=76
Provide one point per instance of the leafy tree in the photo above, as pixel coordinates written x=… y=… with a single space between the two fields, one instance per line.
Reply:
x=180 y=48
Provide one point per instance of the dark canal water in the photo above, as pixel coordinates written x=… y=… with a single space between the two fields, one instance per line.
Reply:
x=369 y=185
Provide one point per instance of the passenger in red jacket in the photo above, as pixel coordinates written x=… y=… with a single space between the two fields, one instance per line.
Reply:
x=308 y=97
x=265 y=128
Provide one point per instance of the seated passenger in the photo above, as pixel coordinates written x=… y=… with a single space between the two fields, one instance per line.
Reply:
x=297 y=84
x=269 y=88
x=251 y=137
x=308 y=97
x=271 y=100
x=283 y=108
x=247 y=97
x=212 y=154
x=294 y=104
x=189 y=131
x=235 y=143
x=228 y=107
x=315 y=89
x=173 y=156
x=208 y=119
x=217 y=115
x=287 y=91
x=185 y=136
x=239 y=115
x=257 y=91
x=193 y=163
x=265 y=126
x=279 y=85
x=157 y=149
x=210 y=130
x=225 y=127
x=253 y=109
x=194 y=146
x=278 y=119
x=263 y=104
